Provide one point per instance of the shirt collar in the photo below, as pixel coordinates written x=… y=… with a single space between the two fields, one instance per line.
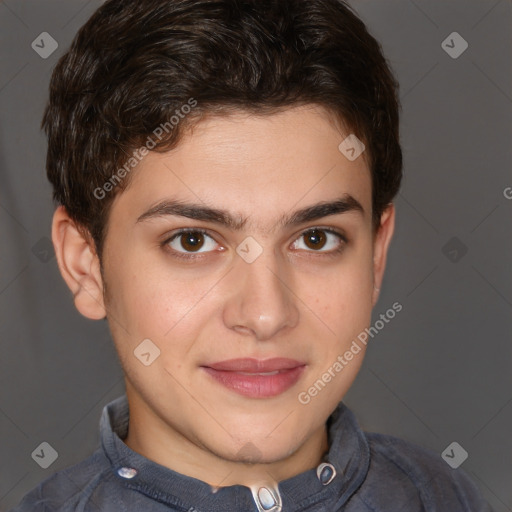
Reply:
x=344 y=469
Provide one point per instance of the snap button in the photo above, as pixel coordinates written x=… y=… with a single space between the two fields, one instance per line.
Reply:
x=326 y=473
x=267 y=500
x=127 y=472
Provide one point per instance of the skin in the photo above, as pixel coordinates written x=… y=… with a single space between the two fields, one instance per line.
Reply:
x=293 y=301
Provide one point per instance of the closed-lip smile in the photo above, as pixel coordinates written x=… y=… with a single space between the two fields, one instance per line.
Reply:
x=256 y=378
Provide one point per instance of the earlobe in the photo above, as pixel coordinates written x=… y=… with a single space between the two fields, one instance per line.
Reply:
x=79 y=265
x=381 y=245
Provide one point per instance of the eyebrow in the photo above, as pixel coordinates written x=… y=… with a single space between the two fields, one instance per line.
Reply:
x=169 y=207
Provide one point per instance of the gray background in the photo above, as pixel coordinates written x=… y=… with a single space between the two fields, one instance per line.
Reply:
x=439 y=372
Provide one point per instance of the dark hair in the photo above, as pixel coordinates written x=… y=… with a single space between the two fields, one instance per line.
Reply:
x=136 y=63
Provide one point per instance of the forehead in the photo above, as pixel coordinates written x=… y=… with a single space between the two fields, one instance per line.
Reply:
x=257 y=167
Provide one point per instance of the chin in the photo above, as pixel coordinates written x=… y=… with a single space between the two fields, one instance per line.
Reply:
x=251 y=454
x=265 y=449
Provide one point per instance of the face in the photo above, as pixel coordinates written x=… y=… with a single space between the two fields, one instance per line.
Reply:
x=219 y=253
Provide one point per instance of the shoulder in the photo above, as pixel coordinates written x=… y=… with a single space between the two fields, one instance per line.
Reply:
x=73 y=488
x=418 y=475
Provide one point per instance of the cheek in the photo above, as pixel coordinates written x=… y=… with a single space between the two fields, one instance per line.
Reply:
x=161 y=305
x=342 y=297
x=152 y=298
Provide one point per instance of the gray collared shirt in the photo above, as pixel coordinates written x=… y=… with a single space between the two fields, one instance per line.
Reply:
x=362 y=472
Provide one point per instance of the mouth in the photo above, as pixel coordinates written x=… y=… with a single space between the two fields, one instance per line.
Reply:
x=256 y=378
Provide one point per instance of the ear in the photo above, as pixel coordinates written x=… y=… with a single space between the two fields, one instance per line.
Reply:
x=79 y=265
x=380 y=248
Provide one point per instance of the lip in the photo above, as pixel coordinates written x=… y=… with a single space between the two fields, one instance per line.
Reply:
x=256 y=378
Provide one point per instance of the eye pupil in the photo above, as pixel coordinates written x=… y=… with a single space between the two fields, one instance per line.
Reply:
x=192 y=241
x=315 y=239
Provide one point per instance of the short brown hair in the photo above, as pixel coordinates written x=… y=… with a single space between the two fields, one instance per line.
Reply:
x=135 y=63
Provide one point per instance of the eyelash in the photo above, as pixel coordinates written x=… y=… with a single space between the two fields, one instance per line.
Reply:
x=192 y=256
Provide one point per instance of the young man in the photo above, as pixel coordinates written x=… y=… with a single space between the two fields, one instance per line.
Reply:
x=225 y=171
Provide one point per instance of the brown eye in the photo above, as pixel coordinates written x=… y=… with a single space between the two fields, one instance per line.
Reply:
x=320 y=240
x=315 y=239
x=192 y=241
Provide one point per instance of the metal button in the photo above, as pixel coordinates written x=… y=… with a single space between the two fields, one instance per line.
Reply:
x=267 y=499
x=326 y=473
x=127 y=472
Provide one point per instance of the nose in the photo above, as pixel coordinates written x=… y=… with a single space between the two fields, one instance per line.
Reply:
x=262 y=302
